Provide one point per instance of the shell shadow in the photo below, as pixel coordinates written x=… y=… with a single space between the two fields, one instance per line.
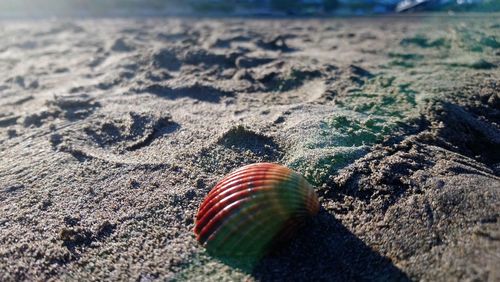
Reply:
x=327 y=251
x=324 y=250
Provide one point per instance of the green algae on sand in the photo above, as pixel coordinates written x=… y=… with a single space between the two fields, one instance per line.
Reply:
x=381 y=109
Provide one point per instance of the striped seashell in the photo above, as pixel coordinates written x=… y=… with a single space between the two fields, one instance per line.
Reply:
x=254 y=208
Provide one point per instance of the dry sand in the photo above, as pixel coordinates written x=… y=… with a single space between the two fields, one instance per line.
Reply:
x=112 y=131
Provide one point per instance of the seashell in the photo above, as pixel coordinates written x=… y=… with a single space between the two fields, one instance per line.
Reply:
x=253 y=209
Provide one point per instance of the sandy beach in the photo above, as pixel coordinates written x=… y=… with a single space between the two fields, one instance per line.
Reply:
x=112 y=131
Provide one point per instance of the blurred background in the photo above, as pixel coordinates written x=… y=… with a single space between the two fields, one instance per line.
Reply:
x=92 y=8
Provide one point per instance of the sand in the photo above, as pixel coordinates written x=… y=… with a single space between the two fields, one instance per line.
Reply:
x=112 y=131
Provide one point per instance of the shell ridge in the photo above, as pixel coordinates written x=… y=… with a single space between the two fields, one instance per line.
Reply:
x=247 y=169
x=254 y=235
x=251 y=172
x=216 y=202
x=212 y=214
x=262 y=212
x=234 y=181
x=262 y=237
x=216 y=197
x=293 y=217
